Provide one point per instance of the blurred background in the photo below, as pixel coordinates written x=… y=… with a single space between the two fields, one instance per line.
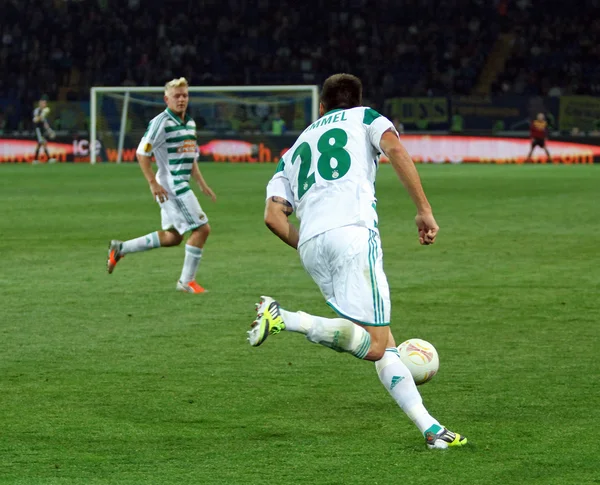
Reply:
x=484 y=68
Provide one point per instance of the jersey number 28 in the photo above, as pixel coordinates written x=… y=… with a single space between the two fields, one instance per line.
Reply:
x=333 y=162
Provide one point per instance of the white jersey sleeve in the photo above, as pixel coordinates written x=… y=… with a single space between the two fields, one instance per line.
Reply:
x=376 y=126
x=153 y=138
x=279 y=185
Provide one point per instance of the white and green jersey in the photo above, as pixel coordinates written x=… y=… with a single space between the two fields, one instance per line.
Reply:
x=329 y=173
x=173 y=143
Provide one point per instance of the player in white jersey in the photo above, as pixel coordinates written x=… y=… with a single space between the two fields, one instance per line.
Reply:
x=328 y=178
x=171 y=138
x=42 y=129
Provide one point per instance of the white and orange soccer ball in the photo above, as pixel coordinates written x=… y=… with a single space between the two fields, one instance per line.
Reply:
x=421 y=358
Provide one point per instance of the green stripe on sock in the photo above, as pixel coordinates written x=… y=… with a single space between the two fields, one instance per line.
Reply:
x=193 y=250
x=363 y=349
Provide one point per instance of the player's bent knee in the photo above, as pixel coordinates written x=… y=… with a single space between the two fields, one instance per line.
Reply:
x=205 y=230
x=199 y=236
x=170 y=238
x=377 y=348
x=376 y=352
x=379 y=340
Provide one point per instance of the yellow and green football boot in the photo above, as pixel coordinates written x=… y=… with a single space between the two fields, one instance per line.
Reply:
x=268 y=321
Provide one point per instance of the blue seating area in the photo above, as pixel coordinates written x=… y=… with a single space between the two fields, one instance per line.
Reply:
x=556 y=49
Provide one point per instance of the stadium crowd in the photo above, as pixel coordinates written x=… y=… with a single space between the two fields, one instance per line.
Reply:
x=62 y=47
x=400 y=48
x=556 y=50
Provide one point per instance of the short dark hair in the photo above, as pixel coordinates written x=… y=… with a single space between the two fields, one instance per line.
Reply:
x=341 y=91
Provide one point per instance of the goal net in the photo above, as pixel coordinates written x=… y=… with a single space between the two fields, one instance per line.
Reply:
x=119 y=116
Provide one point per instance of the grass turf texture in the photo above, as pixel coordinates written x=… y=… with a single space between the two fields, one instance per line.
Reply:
x=122 y=380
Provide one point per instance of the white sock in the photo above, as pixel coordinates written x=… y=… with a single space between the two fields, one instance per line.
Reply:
x=396 y=378
x=143 y=243
x=297 y=321
x=193 y=255
x=338 y=334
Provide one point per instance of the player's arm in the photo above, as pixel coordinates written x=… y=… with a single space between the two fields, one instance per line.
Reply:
x=407 y=172
x=49 y=131
x=197 y=175
x=152 y=139
x=277 y=211
x=158 y=191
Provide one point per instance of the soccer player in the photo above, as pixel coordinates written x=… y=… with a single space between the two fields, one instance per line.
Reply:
x=171 y=137
x=539 y=132
x=328 y=178
x=42 y=129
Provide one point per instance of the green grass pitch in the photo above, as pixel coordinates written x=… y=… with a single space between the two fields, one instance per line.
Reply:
x=122 y=380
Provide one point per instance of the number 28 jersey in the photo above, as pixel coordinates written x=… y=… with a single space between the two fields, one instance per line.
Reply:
x=329 y=173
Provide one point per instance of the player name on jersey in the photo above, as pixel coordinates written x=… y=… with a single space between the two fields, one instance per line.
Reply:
x=327 y=120
x=328 y=175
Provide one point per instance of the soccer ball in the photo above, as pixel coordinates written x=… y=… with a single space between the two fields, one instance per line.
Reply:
x=421 y=358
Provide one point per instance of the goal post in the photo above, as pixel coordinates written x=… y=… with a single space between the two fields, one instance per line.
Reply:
x=119 y=112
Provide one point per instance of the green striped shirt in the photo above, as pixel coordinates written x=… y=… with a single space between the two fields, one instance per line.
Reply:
x=173 y=143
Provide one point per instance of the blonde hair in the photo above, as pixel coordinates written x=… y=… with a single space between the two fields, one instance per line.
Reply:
x=176 y=83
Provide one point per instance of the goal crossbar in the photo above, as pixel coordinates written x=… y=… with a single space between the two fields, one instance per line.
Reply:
x=126 y=90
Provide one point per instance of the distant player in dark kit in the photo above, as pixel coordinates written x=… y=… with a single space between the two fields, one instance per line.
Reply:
x=42 y=129
x=539 y=133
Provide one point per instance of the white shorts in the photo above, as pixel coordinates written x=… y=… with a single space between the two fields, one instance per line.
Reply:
x=347 y=265
x=182 y=213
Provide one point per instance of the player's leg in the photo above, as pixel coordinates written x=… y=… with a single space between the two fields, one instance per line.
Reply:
x=359 y=292
x=193 y=255
x=545 y=148
x=45 y=145
x=339 y=334
x=338 y=262
x=355 y=284
x=40 y=139
x=118 y=249
x=156 y=239
x=191 y=217
x=169 y=236
x=528 y=159
x=393 y=374
x=398 y=381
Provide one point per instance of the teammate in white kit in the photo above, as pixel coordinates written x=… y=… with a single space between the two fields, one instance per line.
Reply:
x=171 y=137
x=328 y=178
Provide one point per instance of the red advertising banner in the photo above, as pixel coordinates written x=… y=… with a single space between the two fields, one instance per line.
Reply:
x=269 y=149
